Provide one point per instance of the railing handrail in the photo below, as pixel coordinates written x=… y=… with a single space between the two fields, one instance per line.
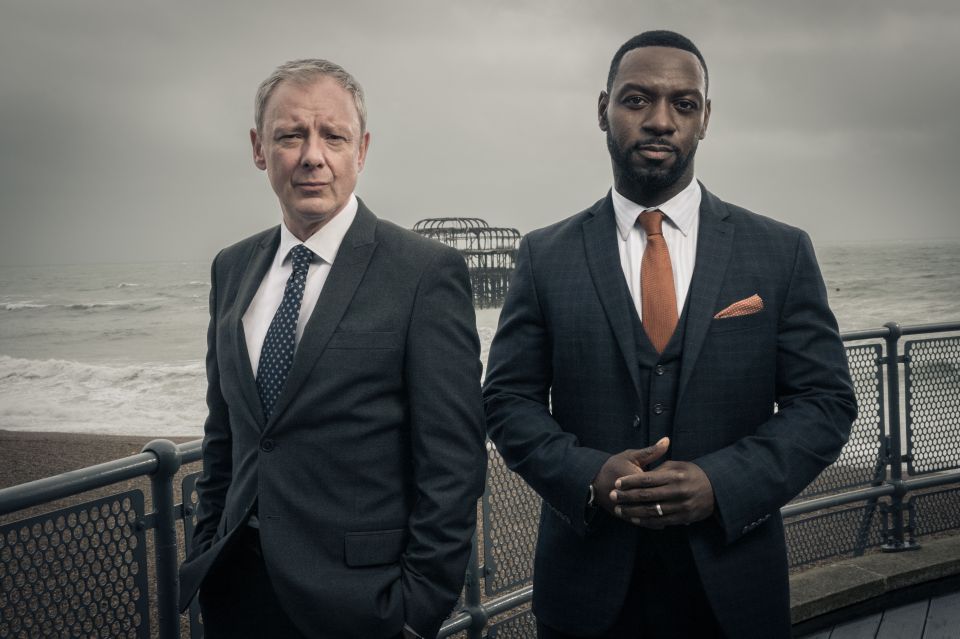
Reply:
x=912 y=329
x=73 y=482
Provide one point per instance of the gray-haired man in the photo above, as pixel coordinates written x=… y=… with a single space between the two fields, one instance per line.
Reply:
x=343 y=451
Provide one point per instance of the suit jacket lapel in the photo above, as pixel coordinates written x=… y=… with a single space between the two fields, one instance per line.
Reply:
x=714 y=247
x=603 y=260
x=260 y=260
x=348 y=268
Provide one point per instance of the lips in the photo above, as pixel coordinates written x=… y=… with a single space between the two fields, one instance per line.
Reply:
x=311 y=185
x=655 y=151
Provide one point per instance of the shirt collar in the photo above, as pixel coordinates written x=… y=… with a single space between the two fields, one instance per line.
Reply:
x=681 y=210
x=326 y=241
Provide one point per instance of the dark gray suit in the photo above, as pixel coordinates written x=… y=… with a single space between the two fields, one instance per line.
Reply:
x=565 y=389
x=367 y=473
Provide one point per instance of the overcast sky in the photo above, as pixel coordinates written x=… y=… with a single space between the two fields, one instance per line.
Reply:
x=123 y=124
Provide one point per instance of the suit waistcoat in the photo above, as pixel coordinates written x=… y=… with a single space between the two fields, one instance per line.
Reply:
x=659 y=377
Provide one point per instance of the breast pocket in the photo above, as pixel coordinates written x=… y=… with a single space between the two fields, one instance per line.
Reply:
x=386 y=340
x=739 y=323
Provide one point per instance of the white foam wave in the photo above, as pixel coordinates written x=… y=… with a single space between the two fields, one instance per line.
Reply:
x=20 y=306
x=68 y=396
x=137 y=305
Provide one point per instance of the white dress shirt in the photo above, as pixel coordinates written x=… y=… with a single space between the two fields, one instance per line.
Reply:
x=324 y=243
x=681 y=222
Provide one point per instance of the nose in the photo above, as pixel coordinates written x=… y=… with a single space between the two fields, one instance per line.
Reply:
x=659 y=120
x=313 y=153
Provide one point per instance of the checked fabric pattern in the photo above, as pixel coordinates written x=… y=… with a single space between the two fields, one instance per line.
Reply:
x=276 y=357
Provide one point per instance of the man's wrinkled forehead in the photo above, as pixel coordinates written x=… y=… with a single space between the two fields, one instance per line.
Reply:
x=328 y=89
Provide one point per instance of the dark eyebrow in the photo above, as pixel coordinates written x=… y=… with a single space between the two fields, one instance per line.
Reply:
x=636 y=86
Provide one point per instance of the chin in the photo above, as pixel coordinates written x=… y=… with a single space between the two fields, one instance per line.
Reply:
x=316 y=210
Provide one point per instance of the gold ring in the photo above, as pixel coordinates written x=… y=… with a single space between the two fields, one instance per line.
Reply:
x=659 y=510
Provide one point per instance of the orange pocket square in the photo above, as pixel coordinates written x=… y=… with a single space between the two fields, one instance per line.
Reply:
x=748 y=306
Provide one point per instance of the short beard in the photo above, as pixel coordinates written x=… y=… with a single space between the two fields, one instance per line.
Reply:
x=650 y=179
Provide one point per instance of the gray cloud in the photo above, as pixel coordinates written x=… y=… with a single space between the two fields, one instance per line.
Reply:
x=123 y=126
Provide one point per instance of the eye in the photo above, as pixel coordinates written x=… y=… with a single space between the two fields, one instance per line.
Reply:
x=686 y=106
x=289 y=136
x=635 y=101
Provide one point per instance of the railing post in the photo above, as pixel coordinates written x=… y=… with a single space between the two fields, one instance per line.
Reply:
x=895 y=538
x=471 y=595
x=165 y=535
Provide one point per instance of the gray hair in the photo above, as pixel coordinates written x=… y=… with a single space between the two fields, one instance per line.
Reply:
x=303 y=71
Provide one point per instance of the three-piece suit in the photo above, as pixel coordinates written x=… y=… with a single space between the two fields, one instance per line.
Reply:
x=762 y=402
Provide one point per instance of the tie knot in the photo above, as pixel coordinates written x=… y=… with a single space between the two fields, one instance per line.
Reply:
x=652 y=222
x=301 y=257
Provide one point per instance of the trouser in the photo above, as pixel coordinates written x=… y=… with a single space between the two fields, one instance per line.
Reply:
x=237 y=600
x=665 y=599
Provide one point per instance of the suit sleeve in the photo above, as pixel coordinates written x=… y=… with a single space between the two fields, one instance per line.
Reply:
x=217 y=461
x=442 y=374
x=516 y=399
x=758 y=474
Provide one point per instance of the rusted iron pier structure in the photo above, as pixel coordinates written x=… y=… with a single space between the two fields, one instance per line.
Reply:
x=490 y=252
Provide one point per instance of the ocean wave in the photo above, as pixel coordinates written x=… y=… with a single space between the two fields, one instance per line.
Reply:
x=136 y=305
x=142 y=305
x=22 y=306
x=70 y=396
x=128 y=285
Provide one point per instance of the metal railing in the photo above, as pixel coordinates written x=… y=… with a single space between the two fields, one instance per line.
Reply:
x=82 y=570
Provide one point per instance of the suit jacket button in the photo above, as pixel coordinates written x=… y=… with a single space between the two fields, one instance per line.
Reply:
x=658 y=409
x=636 y=421
x=659 y=370
x=266 y=445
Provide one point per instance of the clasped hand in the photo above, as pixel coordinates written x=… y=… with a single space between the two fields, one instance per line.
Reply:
x=627 y=490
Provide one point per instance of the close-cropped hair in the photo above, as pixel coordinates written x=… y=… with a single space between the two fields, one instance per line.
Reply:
x=304 y=71
x=660 y=38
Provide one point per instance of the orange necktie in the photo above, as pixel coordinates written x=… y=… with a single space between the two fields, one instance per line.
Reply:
x=658 y=298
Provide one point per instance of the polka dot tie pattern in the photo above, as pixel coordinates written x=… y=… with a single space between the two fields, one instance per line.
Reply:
x=276 y=356
x=658 y=297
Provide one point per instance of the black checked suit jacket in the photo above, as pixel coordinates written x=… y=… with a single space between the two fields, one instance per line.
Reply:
x=562 y=391
x=368 y=471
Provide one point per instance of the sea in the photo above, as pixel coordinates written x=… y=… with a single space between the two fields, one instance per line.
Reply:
x=119 y=348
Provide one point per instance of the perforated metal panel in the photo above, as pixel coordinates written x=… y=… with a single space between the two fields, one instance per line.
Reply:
x=937 y=511
x=515 y=625
x=511 y=516
x=860 y=462
x=932 y=379
x=845 y=532
x=77 y=572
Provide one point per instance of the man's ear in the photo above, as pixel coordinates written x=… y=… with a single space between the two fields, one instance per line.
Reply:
x=362 y=154
x=602 y=103
x=706 y=119
x=258 y=158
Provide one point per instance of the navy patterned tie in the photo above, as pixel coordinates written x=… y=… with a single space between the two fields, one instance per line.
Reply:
x=276 y=356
